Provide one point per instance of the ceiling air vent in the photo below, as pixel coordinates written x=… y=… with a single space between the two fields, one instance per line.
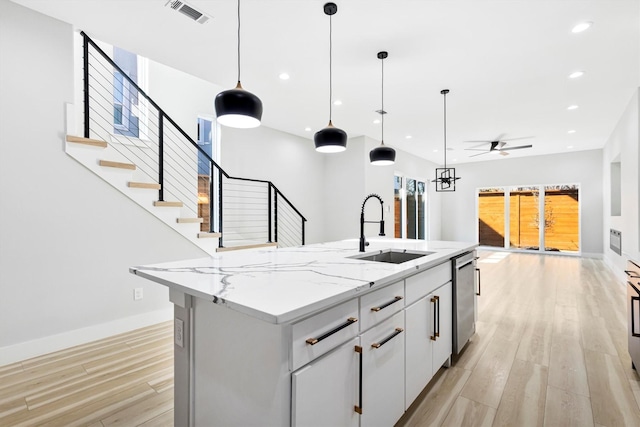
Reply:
x=187 y=10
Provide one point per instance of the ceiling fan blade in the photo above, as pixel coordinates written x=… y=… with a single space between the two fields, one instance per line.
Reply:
x=485 y=141
x=475 y=149
x=480 y=154
x=516 y=148
x=514 y=139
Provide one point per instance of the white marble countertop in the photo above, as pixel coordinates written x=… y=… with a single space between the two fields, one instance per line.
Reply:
x=285 y=284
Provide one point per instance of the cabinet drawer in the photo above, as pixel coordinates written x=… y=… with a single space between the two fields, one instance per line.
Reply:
x=318 y=334
x=426 y=282
x=379 y=305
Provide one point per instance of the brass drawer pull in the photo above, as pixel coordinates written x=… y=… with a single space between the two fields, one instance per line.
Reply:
x=314 y=341
x=387 y=304
x=387 y=339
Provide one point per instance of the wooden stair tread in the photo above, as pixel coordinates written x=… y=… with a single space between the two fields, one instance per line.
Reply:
x=167 y=204
x=189 y=220
x=118 y=165
x=148 y=185
x=87 y=141
x=205 y=235
x=253 y=246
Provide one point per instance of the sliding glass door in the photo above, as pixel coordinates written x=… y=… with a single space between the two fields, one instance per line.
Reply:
x=535 y=218
x=410 y=203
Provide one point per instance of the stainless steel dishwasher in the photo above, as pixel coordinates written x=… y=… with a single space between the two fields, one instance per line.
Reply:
x=464 y=299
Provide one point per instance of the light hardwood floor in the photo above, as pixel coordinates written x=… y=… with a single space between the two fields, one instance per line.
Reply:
x=550 y=350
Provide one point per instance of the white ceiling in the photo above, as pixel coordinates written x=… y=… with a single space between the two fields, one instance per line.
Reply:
x=506 y=63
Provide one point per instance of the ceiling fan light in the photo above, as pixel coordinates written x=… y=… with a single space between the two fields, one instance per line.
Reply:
x=238 y=108
x=382 y=156
x=330 y=139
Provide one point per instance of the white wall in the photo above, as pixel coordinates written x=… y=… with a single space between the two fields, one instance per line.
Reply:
x=290 y=162
x=459 y=212
x=67 y=238
x=349 y=178
x=622 y=146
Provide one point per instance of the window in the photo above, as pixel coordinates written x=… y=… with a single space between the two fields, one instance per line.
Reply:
x=409 y=208
x=125 y=95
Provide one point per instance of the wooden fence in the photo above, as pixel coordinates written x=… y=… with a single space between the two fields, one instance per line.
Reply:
x=560 y=219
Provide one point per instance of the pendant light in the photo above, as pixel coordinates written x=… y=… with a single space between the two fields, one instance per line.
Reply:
x=382 y=155
x=445 y=177
x=237 y=107
x=330 y=139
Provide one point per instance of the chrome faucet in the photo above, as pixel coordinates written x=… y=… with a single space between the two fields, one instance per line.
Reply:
x=363 y=242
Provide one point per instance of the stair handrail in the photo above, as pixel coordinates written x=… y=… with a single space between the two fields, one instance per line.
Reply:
x=88 y=41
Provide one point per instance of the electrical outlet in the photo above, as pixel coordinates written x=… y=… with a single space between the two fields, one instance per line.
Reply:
x=137 y=294
x=178 y=332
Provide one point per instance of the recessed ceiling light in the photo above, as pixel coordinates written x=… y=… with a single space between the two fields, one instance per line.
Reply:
x=284 y=76
x=572 y=131
x=455 y=160
x=569 y=146
x=337 y=102
x=572 y=107
x=408 y=137
x=576 y=74
x=376 y=121
x=308 y=129
x=581 y=27
x=435 y=151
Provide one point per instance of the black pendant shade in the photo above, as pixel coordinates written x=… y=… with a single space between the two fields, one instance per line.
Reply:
x=330 y=139
x=382 y=155
x=238 y=108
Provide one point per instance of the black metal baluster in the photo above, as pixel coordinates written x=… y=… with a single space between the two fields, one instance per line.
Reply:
x=220 y=244
x=161 y=155
x=269 y=212
x=86 y=84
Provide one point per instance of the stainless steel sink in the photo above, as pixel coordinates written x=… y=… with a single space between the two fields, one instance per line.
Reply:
x=392 y=256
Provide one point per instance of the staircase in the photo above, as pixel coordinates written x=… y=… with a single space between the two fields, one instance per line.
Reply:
x=164 y=170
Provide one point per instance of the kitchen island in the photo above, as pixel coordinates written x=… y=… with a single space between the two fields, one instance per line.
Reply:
x=310 y=335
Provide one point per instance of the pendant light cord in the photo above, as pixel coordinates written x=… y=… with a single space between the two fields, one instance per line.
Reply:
x=382 y=91
x=445 y=130
x=238 y=41
x=330 y=68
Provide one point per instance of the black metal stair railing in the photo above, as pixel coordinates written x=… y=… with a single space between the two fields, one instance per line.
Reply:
x=243 y=210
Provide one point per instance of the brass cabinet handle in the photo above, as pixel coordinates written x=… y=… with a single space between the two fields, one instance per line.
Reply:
x=633 y=316
x=632 y=274
x=387 y=304
x=314 y=341
x=436 y=317
x=387 y=339
x=358 y=407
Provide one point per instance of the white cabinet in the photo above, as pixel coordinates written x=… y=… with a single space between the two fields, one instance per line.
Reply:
x=443 y=344
x=383 y=373
x=372 y=378
x=429 y=327
x=419 y=347
x=326 y=391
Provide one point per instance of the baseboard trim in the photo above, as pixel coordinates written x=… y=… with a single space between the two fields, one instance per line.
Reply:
x=28 y=349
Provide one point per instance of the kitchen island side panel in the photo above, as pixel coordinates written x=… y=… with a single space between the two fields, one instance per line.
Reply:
x=241 y=368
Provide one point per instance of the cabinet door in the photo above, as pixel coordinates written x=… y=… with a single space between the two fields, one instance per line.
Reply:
x=418 y=321
x=383 y=373
x=326 y=391
x=443 y=344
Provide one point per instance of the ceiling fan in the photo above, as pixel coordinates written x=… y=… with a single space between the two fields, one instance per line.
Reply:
x=498 y=145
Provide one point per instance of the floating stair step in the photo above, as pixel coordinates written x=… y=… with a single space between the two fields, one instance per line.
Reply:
x=209 y=235
x=189 y=220
x=168 y=204
x=254 y=246
x=117 y=165
x=147 y=185
x=86 y=141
